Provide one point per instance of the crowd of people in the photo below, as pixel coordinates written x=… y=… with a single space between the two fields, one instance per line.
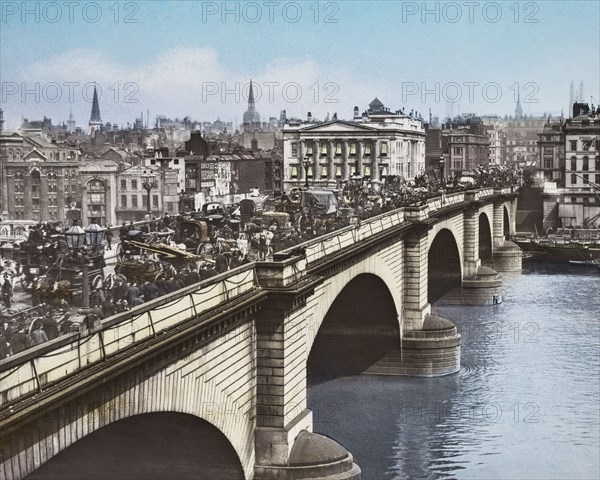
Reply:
x=229 y=245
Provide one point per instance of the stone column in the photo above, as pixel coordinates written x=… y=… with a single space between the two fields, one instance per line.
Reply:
x=331 y=162
x=359 y=154
x=375 y=161
x=316 y=161
x=301 y=152
x=345 y=155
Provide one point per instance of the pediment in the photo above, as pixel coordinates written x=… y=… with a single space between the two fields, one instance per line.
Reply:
x=337 y=126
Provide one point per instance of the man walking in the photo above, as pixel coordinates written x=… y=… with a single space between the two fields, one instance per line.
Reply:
x=109 y=237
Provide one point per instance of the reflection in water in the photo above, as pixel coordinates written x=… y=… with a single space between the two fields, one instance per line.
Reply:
x=524 y=406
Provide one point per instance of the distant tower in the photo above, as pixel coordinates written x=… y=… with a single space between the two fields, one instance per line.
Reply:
x=518 y=109
x=251 y=116
x=95 y=119
x=1 y=120
x=572 y=98
x=71 y=121
x=581 y=97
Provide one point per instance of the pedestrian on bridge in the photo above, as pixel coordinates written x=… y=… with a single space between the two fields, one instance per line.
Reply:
x=109 y=237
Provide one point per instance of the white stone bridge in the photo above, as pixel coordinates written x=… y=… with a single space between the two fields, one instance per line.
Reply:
x=232 y=356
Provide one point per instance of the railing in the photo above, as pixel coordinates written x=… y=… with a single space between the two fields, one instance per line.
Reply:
x=333 y=242
x=31 y=371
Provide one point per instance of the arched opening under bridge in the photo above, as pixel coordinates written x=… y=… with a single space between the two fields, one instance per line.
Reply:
x=485 y=240
x=506 y=222
x=360 y=327
x=443 y=265
x=164 y=445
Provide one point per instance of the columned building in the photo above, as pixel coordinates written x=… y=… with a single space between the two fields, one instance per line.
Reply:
x=377 y=143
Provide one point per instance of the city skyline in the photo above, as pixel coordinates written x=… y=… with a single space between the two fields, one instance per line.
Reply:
x=200 y=70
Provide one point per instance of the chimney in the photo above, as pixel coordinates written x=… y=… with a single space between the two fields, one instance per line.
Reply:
x=309 y=117
x=356 y=114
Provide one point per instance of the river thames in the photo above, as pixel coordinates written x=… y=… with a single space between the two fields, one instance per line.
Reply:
x=525 y=404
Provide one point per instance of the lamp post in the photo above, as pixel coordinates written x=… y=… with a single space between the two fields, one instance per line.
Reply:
x=149 y=182
x=442 y=163
x=75 y=237
x=356 y=180
x=306 y=164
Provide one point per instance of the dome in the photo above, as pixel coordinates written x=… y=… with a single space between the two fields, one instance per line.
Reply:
x=581 y=118
x=314 y=449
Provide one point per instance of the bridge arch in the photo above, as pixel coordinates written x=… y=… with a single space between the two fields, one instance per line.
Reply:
x=444 y=265
x=148 y=446
x=506 y=223
x=357 y=328
x=485 y=240
x=375 y=266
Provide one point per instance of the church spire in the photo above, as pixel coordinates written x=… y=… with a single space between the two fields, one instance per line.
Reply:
x=519 y=109
x=95 y=119
x=251 y=97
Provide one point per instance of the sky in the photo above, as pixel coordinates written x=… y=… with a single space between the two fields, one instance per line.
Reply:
x=196 y=58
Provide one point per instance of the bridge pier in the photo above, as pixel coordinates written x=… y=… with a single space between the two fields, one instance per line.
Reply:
x=285 y=447
x=508 y=258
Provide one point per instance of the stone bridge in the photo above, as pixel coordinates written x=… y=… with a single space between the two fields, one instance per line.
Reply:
x=229 y=360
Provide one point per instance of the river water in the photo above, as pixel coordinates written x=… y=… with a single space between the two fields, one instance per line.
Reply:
x=525 y=405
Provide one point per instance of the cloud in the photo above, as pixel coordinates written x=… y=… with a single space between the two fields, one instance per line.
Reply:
x=187 y=81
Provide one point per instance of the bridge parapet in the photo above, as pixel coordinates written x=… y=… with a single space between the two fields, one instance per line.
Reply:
x=331 y=243
x=35 y=369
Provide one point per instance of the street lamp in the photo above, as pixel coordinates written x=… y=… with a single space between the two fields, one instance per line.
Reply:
x=149 y=182
x=94 y=234
x=442 y=163
x=306 y=164
x=75 y=237
x=356 y=180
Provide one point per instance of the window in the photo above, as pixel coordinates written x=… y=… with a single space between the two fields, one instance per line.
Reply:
x=573 y=199
x=586 y=178
x=134 y=184
x=384 y=149
x=294 y=172
x=586 y=164
x=573 y=163
x=574 y=145
x=170 y=207
x=353 y=149
x=457 y=150
x=123 y=184
x=176 y=161
x=585 y=199
x=323 y=172
x=338 y=149
x=367 y=150
x=323 y=148
x=309 y=150
x=123 y=200
x=573 y=179
x=35 y=203
x=547 y=163
x=367 y=170
x=155 y=201
x=294 y=149
x=144 y=201
x=134 y=201
x=309 y=174
x=19 y=187
x=338 y=171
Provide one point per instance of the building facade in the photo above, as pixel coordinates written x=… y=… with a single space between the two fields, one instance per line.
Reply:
x=577 y=203
x=40 y=179
x=466 y=144
x=377 y=143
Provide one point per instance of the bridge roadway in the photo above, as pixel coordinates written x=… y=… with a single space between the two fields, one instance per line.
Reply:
x=234 y=350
